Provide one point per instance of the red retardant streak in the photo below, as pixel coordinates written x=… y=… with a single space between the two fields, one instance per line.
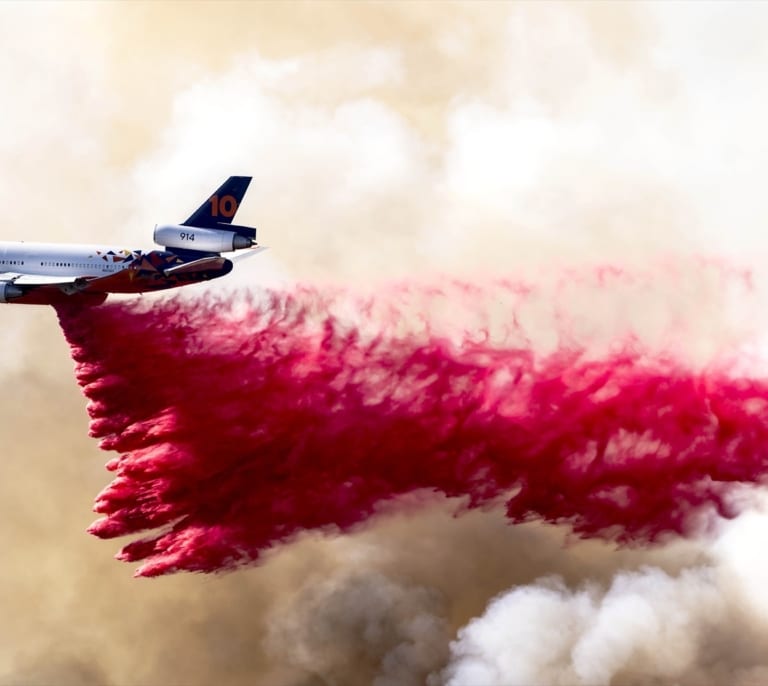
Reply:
x=240 y=423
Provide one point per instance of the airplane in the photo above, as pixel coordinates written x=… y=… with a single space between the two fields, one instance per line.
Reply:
x=56 y=274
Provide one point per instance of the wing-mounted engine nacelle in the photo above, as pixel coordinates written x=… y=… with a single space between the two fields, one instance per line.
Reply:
x=201 y=240
x=8 y=291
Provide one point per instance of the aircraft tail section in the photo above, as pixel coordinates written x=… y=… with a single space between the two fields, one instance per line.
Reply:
x=210 y=231
x=218 y=211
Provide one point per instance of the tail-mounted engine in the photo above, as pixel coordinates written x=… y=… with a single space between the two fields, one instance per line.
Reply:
x=180 y=237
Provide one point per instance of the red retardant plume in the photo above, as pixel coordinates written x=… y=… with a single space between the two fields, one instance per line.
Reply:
x=242 y=422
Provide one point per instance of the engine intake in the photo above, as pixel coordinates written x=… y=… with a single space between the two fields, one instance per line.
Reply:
x=9 y=291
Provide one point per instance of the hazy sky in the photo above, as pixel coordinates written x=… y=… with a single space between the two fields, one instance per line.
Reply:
x=386 y=141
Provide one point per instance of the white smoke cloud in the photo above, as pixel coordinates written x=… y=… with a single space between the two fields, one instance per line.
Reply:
x=387 y=615
x=703 y=625
x=578 y=158
x=333 y=185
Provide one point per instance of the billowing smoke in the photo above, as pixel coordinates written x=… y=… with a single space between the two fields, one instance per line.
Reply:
x=703 y=625
x=384 y=140
x=244 y=421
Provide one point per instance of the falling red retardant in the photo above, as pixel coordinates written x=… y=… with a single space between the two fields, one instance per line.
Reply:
x=240 y=423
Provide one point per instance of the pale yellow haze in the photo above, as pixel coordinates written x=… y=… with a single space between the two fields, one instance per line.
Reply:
x=386 y=140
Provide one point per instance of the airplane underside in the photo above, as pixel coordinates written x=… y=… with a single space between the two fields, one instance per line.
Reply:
x=140 y=277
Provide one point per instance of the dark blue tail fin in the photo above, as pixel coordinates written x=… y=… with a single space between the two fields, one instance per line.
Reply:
x=221 y=207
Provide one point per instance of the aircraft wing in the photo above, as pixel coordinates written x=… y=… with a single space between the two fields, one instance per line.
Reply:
x=66 y=284
x=46 y=289
x=37 y=280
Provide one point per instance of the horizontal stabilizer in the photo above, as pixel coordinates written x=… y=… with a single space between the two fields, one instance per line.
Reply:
x=244 y=254
x=203 y=264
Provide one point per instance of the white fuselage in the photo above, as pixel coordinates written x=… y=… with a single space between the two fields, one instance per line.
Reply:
x=57 y=259
x=85 y=275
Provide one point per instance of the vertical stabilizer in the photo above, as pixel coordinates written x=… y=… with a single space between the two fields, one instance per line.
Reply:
x=221 y=207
